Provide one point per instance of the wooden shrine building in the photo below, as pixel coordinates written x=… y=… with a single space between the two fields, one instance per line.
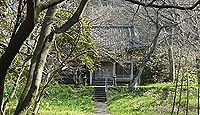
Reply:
x=118 y=45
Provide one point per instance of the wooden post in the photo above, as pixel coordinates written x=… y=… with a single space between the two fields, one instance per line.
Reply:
x=90 y=77
x=85 y=80
x=114 y=80
x=114 y=69
x=114 y=74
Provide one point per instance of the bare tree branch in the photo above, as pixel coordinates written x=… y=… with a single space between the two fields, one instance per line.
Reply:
x=165 y=6
x=17 y=23
x=73 y=19
x=51 y=3
x=150 y=3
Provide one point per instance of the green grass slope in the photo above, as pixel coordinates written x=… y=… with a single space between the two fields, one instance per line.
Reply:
x=67 y=100
x=155 y=99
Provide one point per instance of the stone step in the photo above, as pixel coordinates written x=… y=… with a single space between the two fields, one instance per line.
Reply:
x=99 y=88
x=99 y=84
x=102 y=83
x=100 y=94
x=100 y=99
x=102 y=80
x=100 y=91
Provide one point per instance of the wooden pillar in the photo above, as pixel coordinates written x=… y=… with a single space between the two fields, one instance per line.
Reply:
x=114 y=69
x=85 y=80
x=114 y=80
x=114 y=74
x=90 y=77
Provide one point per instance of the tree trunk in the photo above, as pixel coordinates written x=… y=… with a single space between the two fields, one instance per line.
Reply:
x=171 y=60
x=41 y=59
x=171 y=55
x=15 y=44
x=37 y=65
x=145 y=59
x=171 y=64
x=176 y=87
x=41 y=94
x=11 y=51
x=180 y=94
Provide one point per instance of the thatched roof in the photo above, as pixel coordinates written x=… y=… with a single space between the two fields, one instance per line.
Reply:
x=117 y=37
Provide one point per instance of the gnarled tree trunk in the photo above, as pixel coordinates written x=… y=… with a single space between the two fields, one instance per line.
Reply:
x=11 y=51
x=37 y=64
x=40 y=59
x=34 y=7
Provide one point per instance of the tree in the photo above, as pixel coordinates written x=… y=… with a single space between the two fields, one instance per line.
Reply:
x=22 y=33
x=41 y=53
x=36 y=67
x=33 y=10
x=164 y=5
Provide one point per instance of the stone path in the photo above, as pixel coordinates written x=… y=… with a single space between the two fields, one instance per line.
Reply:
x=101 y=108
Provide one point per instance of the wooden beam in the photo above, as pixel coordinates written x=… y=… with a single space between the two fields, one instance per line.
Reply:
x=112 y=26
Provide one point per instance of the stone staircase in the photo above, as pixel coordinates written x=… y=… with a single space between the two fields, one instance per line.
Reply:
x=100 y=94
x=100 y=89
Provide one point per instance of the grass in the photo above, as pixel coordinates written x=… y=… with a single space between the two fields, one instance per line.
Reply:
x=67 y=100
x=62 y=100
x=154 y=99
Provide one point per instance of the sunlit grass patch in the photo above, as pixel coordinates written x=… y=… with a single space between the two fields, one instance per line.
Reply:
x=67 y=100
x=154 y=99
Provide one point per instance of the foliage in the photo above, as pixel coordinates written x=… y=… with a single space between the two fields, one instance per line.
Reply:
x=79 y=38
x=77 y=43
x=74 y=48
x=18 y=69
